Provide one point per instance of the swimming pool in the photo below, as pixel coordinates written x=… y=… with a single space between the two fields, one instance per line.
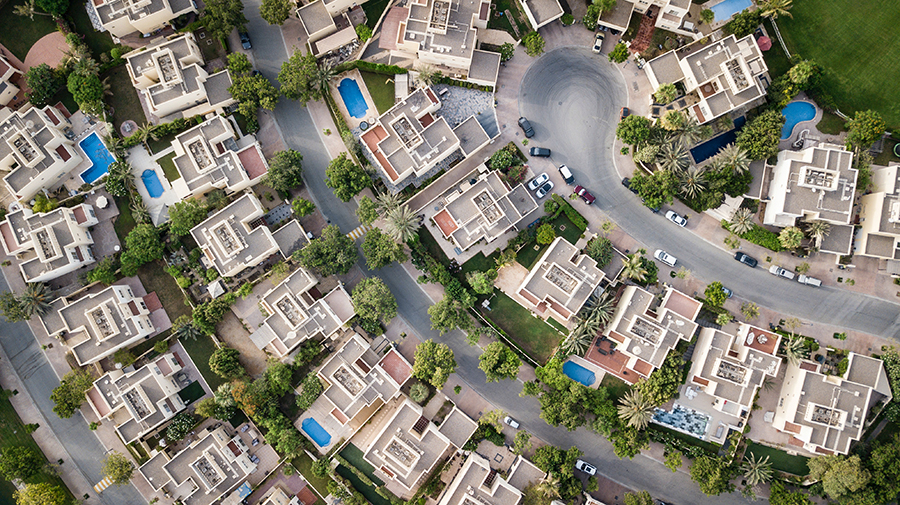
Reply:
x=724 y=10
x=353 y=98
x=711 y=147
x=794 y=113
x=683 y=419
x=151 y=182
x=579 y=373
x=316 y=432
x=99 y=155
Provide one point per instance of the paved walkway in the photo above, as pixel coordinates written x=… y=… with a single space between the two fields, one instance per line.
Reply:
x=50 y=49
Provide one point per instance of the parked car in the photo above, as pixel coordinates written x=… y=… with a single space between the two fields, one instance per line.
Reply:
x=245 y=40
x=809 y=281
x=544 y=190
x=627 y=183
x=655 y=210
x=728 y=293
x=584 y=194
x=526 y=127
x=624 y=113
x=780 y=272
x=676 y=218
x=540 y=151
x=566 y=174
x=598 y=42
x=585 y=467
x=511 y=422
x=746 y=259
x=538 y=181
x=665 y=257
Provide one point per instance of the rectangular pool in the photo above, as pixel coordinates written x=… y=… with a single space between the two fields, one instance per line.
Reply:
x=579 y=373
x=316 y=432
x=727 y=8
x=711 y=147
x=353 y=98
x=99 y=155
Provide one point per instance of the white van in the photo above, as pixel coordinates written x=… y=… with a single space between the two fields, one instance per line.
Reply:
x=809 y=281
x=566 y=174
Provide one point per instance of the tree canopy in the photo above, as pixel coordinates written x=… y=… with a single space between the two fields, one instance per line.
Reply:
x=663 y=383
x=534 y=44
x=374 y=301
x=285 y=171
x=331 y=254
x=41 y=493
x=142 y=245
x=302 y=207
x=619 y=53
x=186 y=214
x=20 y=462
x=600 y=249
x=367 y=212
x=380 y=249
x=633 y=130
x=346 y=178
x=69 y=395
x=840 y=475
x=224 y=362
x=118 y=468
x=56 y=8
x=278 y=377
x=865 y=129
x=712 y=474
x=433 y=363
x=566 y=402
x=744 y=23
x=449 y=314
x=760 y=137
x=43 y=82
x=499 y=362
x=251 y=91
x=715 y=294
x=275 y=12
x=656 y=189
x=482 y=282
x=86 y=89
x=298 y=77
x=221 y=16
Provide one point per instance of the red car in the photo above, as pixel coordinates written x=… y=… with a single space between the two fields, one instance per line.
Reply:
x=584 y=194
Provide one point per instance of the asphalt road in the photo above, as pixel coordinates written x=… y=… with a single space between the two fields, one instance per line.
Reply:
x=572 y=99
x=85 y=450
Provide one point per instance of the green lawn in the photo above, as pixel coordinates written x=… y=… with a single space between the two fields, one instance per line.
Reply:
x=381 y=89
x=831 y=124
x=155 y=278
x=529 y=254
x=210 y=47
x=98 y=42
x=616 y=386
x=430 y=243
x=157 y=145
x=780 y=460
x=566 y=229
x=480 y=263
x=20 y=33
x=887 y=155
x=304 y=465
x=200 y=350
x=373 y=10
x=124 y=99
x=502 y=23
x=709 y=446
x=856 y=42
x=168 y=166
x=776 y=60
x=65 y=97
x=368 y=491
x=192 y=393
x=533 y=335
x=125 y=222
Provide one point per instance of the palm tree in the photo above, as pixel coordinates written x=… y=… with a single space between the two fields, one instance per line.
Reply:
x=635 y=409
x=114 y=144
x=693 y=181
x=428 y=75
x=793 y=348
x=402 y=224
x=549 y=487
x=107 y=87
x=817 y=230
x=774 y=8
x=121 y=171
x=757 y=471
x=387 y=202
x=633 y=268
x=185 y=329
x=674 y=157
x=144 y=133
x=86 y=66
x=690 y=131
x=75 y=54
x=28 y=9
x=139 y=211
x=324 y=76
x=741 y=221
x=577 y=343
x=36 y=299
x=735 y=158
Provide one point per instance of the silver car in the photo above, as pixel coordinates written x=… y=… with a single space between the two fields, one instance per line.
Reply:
x=546 y=188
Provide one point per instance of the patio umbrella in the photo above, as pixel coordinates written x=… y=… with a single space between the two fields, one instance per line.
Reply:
x=102 y=202
x=765 y=43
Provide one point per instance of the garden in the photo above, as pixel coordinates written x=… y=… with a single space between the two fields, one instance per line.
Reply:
x=537 y=338
x=781 y=461
x=381 y=88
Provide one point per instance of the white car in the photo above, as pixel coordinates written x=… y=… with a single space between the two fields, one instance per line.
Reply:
x=676 y=218
x=543 y=190
x=585 y=467
x=537 y=181
x=598 y=42
x=780 y=272
x=665 y=257
x=511 y=422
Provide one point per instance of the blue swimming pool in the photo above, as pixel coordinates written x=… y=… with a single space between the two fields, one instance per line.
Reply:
x=711 y=147
x=151 y=182
x=724 y=10
x=316 y=432
x=353 y=98
x=579 y=373
x=98 y=154
x=794 y=113
x=683 y=419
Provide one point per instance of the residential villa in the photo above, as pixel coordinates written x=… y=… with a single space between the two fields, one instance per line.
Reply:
x=722 y=77
x=9 y=76
x=817 y=183
x=476 y=483
x=124 y=17
x=442 y=34
x=483 y=209
x=825 y=413
x=99 y=324
x=51 y=244
x=326 y=29
x=201 y=473
x=210 y=156
x=34 y=150
x=171 y=77
x=137 y=402
x=276 y=495
x=727 y=371
x=671 y=15
x=541 y=12
x=298 y=312
x=879 y=218
x=642 y=332
x=560 y=283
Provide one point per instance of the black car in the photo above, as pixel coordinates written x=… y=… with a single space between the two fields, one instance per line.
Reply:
x=627 y=183
x=526 y=127
x=540 y=151
x=245 y=40
x=745 y=259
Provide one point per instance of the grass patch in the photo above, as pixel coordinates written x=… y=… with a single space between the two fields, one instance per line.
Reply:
x=708 y=446
x=65 y=97
x=200 y=350
x=556 y=324
x=855 y=41
x=887 y=155
x=155 y=278
x=533 y=335
x=19 y=33
x=354 y=456
x=480 y=263
x=368 y=491
x=210 y=47
x=146 y=345
x=241 y=121
x=158 y=145
x=98 y=42
x=125 y=221
x=831 y=124
x=566 y=229
x=192 y=393
x=381 y=90
x=615 y=386
x=502 y=23
x=124 y=99
x=432 y=246
x=303 y=464
x=780 y=460
x=168 y=166
x=373 y=10
x=633 y=24
x=529 y=254
x=775 y=58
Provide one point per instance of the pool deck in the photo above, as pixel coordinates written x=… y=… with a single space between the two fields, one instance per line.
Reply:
x=719 y=23
x=596 y=370
x=141 y=160
x=83 y=128
x=814 y=135
x=371 y=114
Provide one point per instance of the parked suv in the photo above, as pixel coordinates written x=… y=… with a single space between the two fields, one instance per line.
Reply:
x=526 y=127
x=584 y=194
x=540 y=151
x=665 y=257
x=598 y=42
x=746 y=259
x=780 y=272
x=566 y=174
x=245 y=40
x=585 y=467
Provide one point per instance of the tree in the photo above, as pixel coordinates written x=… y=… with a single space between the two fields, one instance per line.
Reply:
x=711 y=474
x=278 y=377
x=87 y=90
x=778 y=495
x=656 y=189
x=433 y=363
x=209 y=407
x=363 y=32
x=186 y=214
x=69 y=395
x=184 y=328
x=619 y=53
x=302 y=207
x=639 y=498
x=499 y=362
x=804 y=73
x=367 y=211
x=600 y=249
x=773 y=8
x=374 y=301
x=224 y=362
x=43 y=82
x=312 y=388
x=673 y=157
x=482 y=282
x=449 y=314
x=418 y=392
x=744 y=23
x=635 y=410
x=330 y=254
x=120 y=179
x=380 y=250
x=741 y=221
x=346 y=178
x=760 y=137
x=633 y=130
x=793 y=349
x=298 y=77
x=36 y=299
x=663 y=383
x=545 y=233
x=791 y=237
x=222 y=16
x=673 y=460
x=633 y=268
x=864 y=129
x=28 y=10
x=252 y=92
x=733 y=157
x=715 y=294
x=275 y=12
x=507 y=51
x=840 y=475
x=549 y=487
x=143 y=244
x=41 y=493
x=692 y=182
x=756 y=470
x=181 y=426
x=665 y=93
x=707 y=16
x=672 y=120
x=56 y=8
x=20 y=462
x=534 y=44
x=11 y=308
x=118 y=468
x=521 y=442
x=285 y=171
x=750 y=310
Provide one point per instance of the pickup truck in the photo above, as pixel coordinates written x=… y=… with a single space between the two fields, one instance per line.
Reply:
x=809 y=281
x=780 y=272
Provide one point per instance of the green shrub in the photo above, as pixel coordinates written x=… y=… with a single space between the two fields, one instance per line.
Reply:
x=760 y=236
x=577 y=219
x=418 y=392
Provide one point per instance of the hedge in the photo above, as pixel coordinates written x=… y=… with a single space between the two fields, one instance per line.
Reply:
x=462 y=84
x=177 y=126
x=759 y=236
x=377 y=68
x=577 y=219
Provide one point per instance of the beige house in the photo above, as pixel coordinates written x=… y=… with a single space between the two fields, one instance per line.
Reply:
x=97 y=325
x=299 y=313
x=8 y=74
x=277 y=496
x=410 y=139
x=825 y=413
x=139 y=401
x=123 y=17
x=725 y=76
x=484 y=210
x=51 y=244
x=326 y=29
x=442 y=34
x=817 y=183
x=560 y=283
x=170 y=75
x=476 y=483
x=541 y=12
x=34 y=150
x=671 y=15
x=210 y=155
x=879 y=216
